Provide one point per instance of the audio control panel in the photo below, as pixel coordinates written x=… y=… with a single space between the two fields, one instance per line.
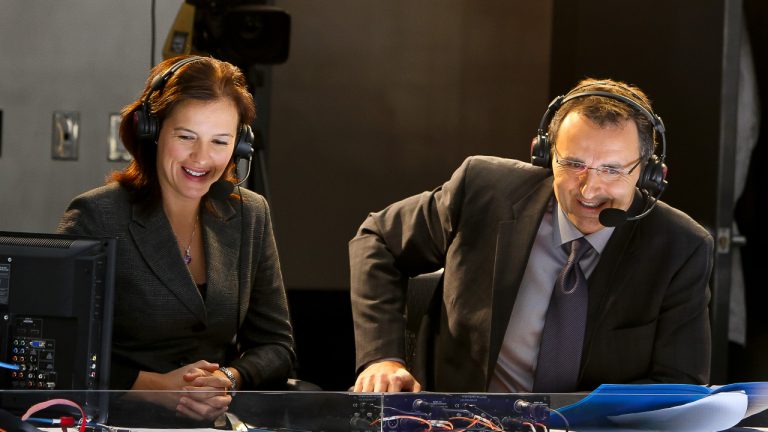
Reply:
x=466 y=411
x=394 y=412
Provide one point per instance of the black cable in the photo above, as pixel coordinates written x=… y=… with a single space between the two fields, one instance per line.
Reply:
x=153 y=7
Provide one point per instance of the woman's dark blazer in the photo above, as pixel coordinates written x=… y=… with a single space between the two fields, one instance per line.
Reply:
x=161 y=319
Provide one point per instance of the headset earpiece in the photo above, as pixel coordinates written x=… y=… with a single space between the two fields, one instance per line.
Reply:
x=541 y=148
x=244 y=143
x=653 y=176
x=541 y=154
x=145 y=126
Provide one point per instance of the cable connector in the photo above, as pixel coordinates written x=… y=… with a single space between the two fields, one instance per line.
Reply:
x=533 y=410
x=66 y=421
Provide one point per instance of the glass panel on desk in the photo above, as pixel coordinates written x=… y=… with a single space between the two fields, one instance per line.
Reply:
x=660 y=407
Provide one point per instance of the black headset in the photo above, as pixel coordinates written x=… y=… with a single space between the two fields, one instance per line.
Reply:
x=653 y=172
x=146 y=126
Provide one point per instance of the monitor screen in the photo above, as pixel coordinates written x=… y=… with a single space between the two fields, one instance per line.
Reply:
x=56 y=298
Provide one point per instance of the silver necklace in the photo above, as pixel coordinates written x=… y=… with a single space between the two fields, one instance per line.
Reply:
x=187 y=254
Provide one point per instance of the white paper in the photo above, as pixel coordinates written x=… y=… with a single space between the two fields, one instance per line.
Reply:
x=713 y=413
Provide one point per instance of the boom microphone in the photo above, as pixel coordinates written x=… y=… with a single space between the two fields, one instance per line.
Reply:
x=613 y=217
x=221 y=189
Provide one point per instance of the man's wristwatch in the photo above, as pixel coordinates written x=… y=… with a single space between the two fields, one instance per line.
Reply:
x=231 y=377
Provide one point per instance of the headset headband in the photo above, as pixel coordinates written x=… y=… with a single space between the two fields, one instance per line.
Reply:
x=656 y=121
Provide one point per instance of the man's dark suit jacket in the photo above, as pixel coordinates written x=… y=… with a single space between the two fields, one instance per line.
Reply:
x=161 y=320
x=647 y=318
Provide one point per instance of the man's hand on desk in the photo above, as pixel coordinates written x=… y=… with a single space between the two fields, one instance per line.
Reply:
x=200 y=391
x=386 y=376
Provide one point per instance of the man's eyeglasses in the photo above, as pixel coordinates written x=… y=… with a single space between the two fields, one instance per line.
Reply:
x=608 y=173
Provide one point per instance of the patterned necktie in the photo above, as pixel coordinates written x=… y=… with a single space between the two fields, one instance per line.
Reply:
x=557 y=369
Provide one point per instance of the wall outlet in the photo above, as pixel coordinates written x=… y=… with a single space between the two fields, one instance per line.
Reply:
x=116 y=151
x=66 y=135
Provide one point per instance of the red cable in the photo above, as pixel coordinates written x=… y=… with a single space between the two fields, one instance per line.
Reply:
x=43 y=405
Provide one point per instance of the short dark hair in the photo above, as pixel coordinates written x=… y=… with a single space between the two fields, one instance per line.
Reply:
x=606 y=111
x=205 y=79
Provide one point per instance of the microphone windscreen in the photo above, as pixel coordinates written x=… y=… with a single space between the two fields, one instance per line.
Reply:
x=612 y=217
x=221 y=189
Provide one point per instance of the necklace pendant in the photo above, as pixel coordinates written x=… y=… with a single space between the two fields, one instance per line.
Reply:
x=187 y=257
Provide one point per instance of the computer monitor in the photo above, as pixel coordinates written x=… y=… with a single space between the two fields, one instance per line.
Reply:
x=56 y=301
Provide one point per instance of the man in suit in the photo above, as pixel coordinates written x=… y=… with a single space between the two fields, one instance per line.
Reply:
x=498 y=228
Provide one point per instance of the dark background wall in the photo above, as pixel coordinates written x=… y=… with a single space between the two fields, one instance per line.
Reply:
x=685 y=55
x=383 y=99
x=379 y=100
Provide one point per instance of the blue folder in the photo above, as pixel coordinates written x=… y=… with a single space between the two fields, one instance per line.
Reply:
x=616 y=399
